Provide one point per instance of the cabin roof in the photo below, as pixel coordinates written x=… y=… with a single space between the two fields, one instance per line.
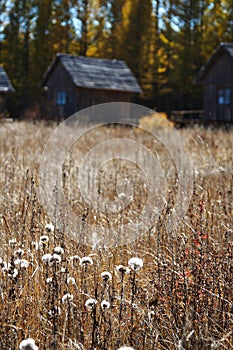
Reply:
x=96 y=73
x=5 y=84
x=223 y=47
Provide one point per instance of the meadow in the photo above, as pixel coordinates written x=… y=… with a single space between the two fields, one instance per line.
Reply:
x=66 y=294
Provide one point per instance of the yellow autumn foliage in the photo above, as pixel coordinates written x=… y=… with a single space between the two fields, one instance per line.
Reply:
x=155 y=121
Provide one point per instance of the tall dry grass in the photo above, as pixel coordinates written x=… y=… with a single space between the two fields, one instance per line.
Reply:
x=182 y=296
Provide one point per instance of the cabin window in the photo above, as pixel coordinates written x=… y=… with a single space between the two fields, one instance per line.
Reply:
x=224 y=96
x=61 y=98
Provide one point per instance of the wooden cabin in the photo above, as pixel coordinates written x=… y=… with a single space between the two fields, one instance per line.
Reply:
x=217 y=79
x=75 y=82
x=5 y=88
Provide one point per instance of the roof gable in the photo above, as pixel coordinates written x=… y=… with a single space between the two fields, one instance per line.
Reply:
x=222 y=48
x=5 y=84
x=96 y=73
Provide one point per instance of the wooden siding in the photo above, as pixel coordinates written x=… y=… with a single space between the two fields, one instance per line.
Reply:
x=91 y=97
x=88 y=97
x=220 y=75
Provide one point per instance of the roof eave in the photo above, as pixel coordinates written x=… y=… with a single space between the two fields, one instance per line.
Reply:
x=7 y=90
x=133 y=91
x=215 y=56
x=48 y=71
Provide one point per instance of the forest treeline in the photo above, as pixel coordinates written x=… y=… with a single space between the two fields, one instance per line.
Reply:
x=164 y=42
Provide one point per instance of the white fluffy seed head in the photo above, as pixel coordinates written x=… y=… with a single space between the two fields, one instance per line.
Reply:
x=28 y=344
x=105 y=304
x=12 y=241
x=46 y=258
x=51 y=258
x=63 y=270
x=135 y=264
x=90 y=303
x=49 y=227
x=71 y=280
x=44 y=239
x=58 y=250
x=106 y=276
x=18 y=253
x=67 y=298
x=55 y=258
x=123 y=269
x=122 y=195
x=86 y=260
x=21 y=263
x=13 y=273
x=6 y=266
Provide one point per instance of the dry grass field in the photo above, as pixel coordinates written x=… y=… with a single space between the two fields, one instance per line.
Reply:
x=181 y=298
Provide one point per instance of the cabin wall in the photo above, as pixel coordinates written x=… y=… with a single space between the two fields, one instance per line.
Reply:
x=60 y=81
x=2 y=103
x=220 y=76
x=90 y=97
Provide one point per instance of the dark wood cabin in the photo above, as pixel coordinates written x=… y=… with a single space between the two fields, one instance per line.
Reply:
x=217 y=79
x=75 y=82
x=5 y=88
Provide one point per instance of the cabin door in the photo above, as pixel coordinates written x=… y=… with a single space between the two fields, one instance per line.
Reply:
x=224 y=113
x=224 y=107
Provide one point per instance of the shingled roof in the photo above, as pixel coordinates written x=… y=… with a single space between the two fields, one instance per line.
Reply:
x=96 y=73
x=223 y=47
x=5 y=84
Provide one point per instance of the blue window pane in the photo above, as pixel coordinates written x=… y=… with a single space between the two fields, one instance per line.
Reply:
x=224 y=96
x=221 y=100
x=228 y=96
x=61 y=98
